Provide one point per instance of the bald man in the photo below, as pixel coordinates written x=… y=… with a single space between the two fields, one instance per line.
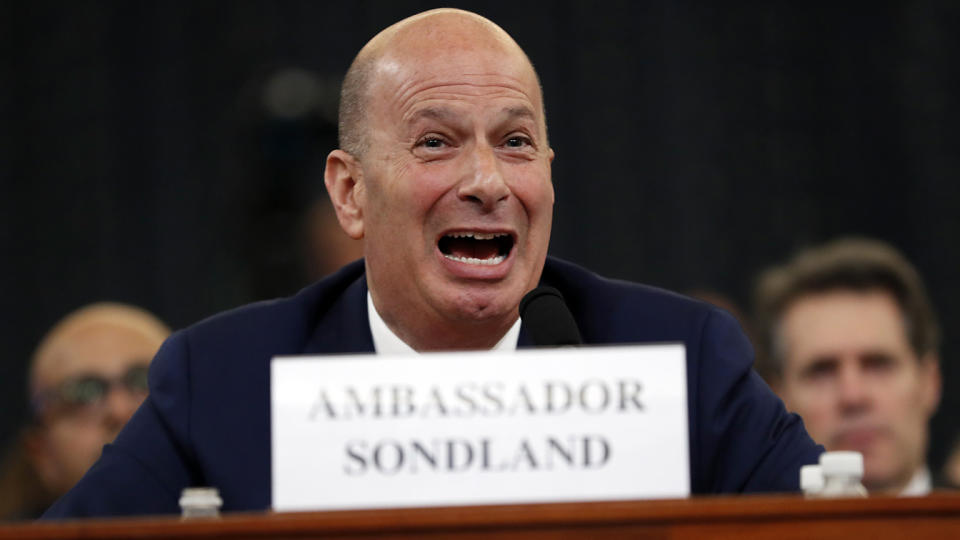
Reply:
x=87 y=377
x=444 y=173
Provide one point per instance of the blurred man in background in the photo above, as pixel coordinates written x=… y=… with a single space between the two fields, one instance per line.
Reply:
x=87 y=377
x=849 y=340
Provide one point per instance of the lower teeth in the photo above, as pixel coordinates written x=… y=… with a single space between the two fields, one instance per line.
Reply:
x=470 y=260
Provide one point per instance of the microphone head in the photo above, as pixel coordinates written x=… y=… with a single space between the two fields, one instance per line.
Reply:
x=548 y=319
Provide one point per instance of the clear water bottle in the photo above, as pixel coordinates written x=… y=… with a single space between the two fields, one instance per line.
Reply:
x=200 y=502
x=842 y=474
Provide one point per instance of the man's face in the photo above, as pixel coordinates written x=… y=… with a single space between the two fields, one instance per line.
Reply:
x=851 y=374
x=77 y=418
x=456 y=191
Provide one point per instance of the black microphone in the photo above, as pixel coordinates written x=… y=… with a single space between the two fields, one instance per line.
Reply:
x=548 y=319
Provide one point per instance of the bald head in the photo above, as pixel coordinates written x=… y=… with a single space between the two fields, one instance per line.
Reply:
x=421 y=36
x=95 y=334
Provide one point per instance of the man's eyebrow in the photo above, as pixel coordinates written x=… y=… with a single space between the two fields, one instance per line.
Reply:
x=520 y=112
x=433 y=113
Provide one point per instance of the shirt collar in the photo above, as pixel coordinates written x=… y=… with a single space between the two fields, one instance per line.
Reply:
x=921 y=484
x=385 y=342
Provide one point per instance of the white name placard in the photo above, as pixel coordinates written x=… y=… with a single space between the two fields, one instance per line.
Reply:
x=576 y=424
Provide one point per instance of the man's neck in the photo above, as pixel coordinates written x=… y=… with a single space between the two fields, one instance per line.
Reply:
x=388 y=337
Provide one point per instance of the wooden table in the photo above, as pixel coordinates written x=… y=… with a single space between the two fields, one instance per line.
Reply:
x=746 y=517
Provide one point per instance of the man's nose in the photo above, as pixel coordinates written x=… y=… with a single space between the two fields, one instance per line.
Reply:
x=853 y=392
x=120 y=404
x=483 y=181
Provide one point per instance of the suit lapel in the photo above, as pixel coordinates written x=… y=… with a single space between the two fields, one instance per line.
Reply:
x=345 y=327
x=524 y=341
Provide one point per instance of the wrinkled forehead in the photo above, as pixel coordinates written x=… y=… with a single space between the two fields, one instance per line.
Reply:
x=479 y=80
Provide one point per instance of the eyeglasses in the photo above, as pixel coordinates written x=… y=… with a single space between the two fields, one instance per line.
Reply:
x=87 y=392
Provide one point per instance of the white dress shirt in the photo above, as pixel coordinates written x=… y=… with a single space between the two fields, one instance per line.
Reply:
x=921 y=484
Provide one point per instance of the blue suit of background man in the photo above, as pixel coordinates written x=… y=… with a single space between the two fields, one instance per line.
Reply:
x=206 y=421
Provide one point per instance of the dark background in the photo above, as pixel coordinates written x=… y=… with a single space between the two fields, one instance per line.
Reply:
x=696 y=142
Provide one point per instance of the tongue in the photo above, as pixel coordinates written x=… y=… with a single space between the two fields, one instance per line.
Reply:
x=475 y=249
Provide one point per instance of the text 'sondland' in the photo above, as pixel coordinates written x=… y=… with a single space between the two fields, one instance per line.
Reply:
x=490 y=399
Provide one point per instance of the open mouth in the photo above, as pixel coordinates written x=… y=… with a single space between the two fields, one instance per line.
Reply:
x=476 y=248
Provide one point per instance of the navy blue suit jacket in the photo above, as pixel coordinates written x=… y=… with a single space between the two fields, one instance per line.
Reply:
x=206 y=420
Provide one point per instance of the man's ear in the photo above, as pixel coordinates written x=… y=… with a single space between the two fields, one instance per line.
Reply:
x=931 y=382
x=344 y=180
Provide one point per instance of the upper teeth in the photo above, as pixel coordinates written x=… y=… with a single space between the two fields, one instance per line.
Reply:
x=477 y=236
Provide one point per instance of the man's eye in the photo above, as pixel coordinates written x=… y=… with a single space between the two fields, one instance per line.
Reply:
x=878 y=362
x=518 y=142
x=432 y=142
x=819 y=370
x=83 y=391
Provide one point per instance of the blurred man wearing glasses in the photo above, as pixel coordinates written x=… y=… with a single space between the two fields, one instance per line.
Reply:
x=87 y=377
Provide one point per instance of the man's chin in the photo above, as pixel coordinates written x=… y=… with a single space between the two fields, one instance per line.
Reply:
x=881 y=479
x=483 y=303
x=484 y=312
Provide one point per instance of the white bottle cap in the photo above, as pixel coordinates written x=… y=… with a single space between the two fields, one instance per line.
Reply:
x=811 y=478
x=200 y=497
x=845 y=463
